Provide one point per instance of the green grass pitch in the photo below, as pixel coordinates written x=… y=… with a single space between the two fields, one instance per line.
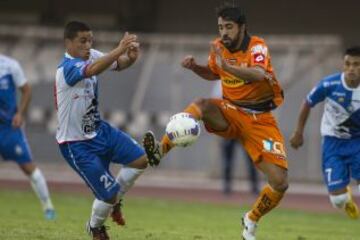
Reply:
x=149 y=219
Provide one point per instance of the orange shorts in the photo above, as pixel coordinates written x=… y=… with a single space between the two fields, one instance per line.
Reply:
x=258 y=133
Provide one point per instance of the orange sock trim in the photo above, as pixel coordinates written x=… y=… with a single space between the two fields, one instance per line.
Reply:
x=194 y=110
x=268 y=199
x=167 y=145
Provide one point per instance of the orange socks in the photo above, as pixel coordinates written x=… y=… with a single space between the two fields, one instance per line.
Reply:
x=268 y=199
x=195 y=111
x=166 y=144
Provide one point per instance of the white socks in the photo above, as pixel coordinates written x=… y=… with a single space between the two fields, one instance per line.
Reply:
x=100 y=211
x=126 y=178
x=38 y=183
x=339 y=201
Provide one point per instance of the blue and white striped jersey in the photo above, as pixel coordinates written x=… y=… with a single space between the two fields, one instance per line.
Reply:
x=76 y=99
x=11 y=77
x=341 y=117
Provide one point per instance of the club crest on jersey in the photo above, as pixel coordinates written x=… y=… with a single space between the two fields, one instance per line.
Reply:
x=274 y=147
x=231 y=61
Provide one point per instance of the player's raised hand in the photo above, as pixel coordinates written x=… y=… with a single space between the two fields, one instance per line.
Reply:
x=297 y=140
x=189 y=62
x=133 y=51
x=126 y=42
x=218 y=53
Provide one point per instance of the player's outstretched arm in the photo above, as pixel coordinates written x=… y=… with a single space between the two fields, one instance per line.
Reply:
x=102 y=63
x=297 y=138
x=249 y=74
x=200 y=70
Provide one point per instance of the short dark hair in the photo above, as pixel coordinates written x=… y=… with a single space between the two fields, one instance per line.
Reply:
x=353 y=51
x=73 y=27
x=231 y=13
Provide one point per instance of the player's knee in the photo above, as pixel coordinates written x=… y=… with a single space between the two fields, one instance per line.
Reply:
x=339 y=201
x=205 y=105
x=140 y=163
x=279 y=184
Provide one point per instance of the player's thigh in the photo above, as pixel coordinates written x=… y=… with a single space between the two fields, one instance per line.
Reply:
x=126 y=150
x=92 y=170
x=336 y=173
x=264 y=142
x=213 y=116
x=15 y=147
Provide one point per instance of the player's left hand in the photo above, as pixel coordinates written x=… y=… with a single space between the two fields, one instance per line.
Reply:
x=17 y=120
x=133 y=51
x=219 y=59
x=297 y=140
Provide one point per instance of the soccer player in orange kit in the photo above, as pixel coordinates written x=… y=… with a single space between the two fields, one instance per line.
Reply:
x=250 y=91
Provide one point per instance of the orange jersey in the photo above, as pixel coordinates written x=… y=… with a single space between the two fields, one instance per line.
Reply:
x=260 y=95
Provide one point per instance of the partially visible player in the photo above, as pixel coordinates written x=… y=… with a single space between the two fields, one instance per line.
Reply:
x=88 y=143
x=250 y=92
x=13 y=143
x=340 y=128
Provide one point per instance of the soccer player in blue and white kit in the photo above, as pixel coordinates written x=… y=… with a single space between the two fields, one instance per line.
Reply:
x=340 y=129
x=13 y=143
x=88 y=143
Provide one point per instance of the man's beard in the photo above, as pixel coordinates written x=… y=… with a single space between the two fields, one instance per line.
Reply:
x=231 y=44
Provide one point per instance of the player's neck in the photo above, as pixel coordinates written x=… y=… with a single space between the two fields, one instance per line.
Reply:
x=72 y=53
x=352 y=83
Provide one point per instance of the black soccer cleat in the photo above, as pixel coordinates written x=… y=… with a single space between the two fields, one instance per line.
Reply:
x=152 y=148
x=97 y=233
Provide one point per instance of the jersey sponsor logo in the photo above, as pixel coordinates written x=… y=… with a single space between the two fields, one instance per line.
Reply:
x=233 y=82
x=91 y=119
x=259 y=49
x=339 y=94
x=328 y=84
x=274 y=147
x=259 y=58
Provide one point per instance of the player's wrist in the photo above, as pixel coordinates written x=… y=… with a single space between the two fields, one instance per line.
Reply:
x=299 y=132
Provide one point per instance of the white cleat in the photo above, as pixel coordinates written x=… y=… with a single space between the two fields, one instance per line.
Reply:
x=249 y=228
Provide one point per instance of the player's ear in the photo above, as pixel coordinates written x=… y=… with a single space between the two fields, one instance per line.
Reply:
x=67 y=42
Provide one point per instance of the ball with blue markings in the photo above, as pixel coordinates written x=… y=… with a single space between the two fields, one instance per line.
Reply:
x=183 y=129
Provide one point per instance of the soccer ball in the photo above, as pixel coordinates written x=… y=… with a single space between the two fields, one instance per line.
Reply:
x=183 y=129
